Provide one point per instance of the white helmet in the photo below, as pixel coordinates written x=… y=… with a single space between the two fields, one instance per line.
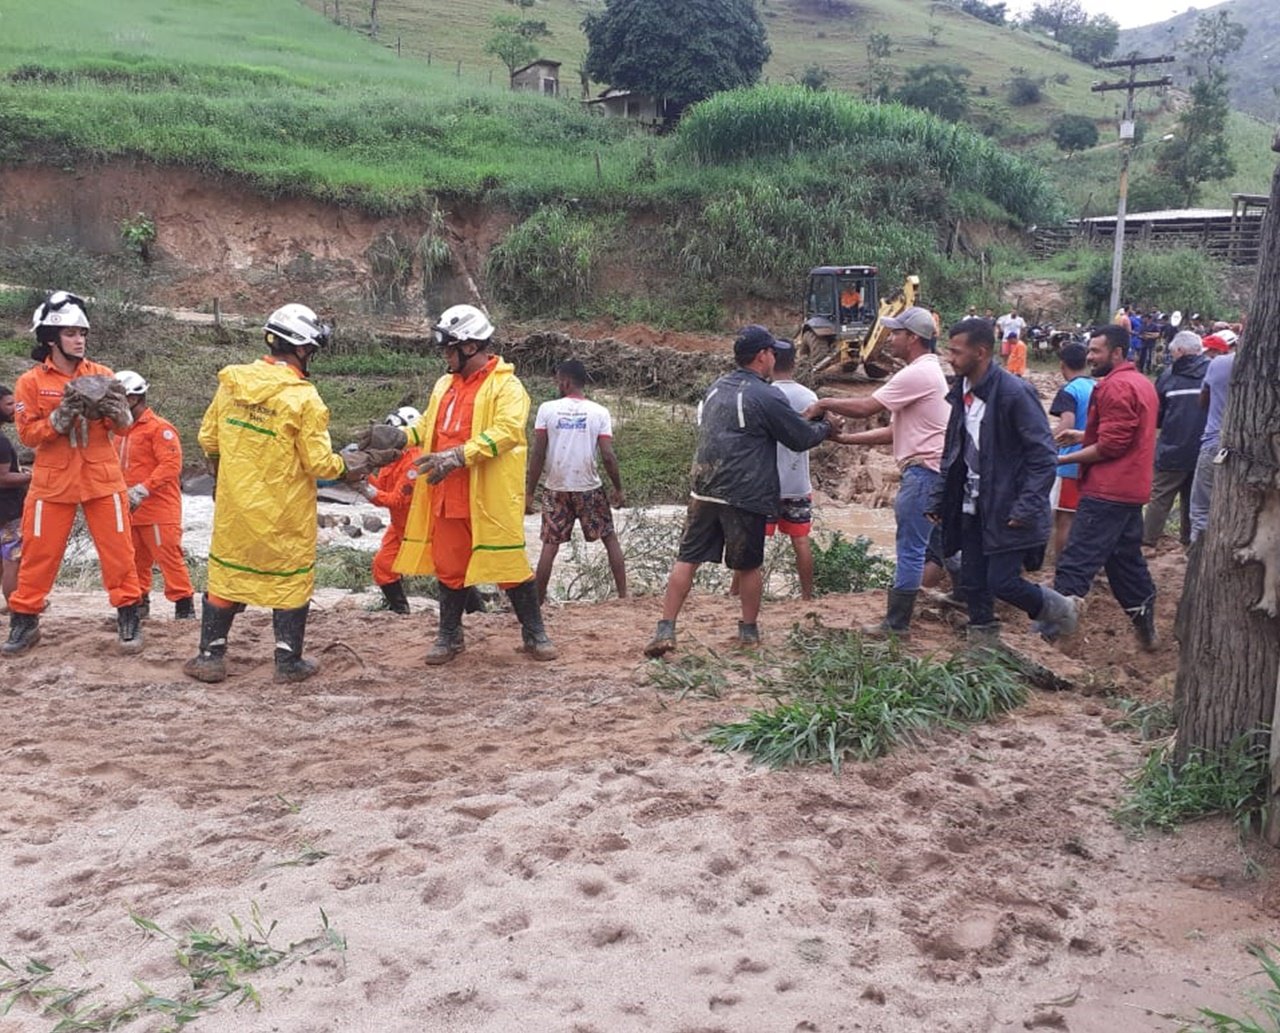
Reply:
x=60 y=309
x=463 y=323
x=405 y=416
x=297 y=325
x=133 y=382
x=1228 y=335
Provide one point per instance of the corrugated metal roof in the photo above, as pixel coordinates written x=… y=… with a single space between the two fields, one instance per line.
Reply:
x=1168 y=215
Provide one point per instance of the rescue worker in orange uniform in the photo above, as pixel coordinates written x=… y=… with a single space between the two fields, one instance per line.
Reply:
x=392 y=488
x=151 y=460
x=75 y=467
x=466 y=522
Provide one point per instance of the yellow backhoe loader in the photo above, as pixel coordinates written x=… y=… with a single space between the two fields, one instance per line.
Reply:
x=842 y=335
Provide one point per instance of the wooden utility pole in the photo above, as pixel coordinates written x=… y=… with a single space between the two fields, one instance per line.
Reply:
x=1131 y=86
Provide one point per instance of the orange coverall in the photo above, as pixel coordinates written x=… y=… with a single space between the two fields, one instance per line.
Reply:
x=68 y=473
x=395 y=493
x=451 y=531
x=151 y=455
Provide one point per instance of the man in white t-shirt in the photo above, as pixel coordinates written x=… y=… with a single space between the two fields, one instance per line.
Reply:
x=916 y=399
x=1012 y=322
x=567 y=432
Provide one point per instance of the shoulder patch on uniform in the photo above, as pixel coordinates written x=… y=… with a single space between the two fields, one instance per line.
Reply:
x=167 y=435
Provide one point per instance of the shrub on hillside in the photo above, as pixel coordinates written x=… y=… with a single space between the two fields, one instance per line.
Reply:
x=1182 y=278
x=1023 y=90
x=1074 y=132
x=742 y=125
x=547 y=264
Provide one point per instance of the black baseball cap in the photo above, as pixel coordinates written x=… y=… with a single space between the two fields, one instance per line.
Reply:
x=752 y=340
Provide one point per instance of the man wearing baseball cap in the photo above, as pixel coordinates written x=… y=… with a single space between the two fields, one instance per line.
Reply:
x=741 y=421
x=915 y=398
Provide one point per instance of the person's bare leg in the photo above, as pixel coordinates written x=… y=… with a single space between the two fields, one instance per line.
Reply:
x=733 y=585
x=804 y=565
x=8 y=577
x=617 y=564
x=546 y=560
x=678 y=584
x=750 y=587
x=933 y=574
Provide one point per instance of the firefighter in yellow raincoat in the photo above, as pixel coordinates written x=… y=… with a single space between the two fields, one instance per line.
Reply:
x=266 y=435
x=466 y=521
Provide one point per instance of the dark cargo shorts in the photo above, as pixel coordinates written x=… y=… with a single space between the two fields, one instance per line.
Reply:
x=713 y=530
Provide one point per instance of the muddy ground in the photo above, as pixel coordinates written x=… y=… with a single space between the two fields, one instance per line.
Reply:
x=508 y=845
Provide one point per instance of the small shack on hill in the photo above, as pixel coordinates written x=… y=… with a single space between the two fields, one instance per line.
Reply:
x=645 y=108
x=539 y=76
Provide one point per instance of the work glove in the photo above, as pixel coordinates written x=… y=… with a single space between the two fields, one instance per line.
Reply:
x=136 y=494
x=91 y=391
x=438 y=465
x=378 y=436
x=359 y=465
x=63 y=418
x=368 y=491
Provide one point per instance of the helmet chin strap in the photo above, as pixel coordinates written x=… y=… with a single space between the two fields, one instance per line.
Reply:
x=75 y=360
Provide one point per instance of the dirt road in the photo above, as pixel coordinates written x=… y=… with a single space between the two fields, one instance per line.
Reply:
x=514 y=846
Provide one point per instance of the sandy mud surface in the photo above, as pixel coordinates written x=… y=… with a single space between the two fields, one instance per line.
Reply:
x=508 y=845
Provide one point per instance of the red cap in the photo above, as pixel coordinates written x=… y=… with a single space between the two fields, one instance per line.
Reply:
x=1214 y=343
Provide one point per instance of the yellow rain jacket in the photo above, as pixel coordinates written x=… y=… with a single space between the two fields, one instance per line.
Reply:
x=269 y=432
x=495 y=456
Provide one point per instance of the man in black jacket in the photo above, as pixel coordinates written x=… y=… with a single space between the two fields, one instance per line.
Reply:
x=1181 y=420
x=998 y=465
x=741 y=420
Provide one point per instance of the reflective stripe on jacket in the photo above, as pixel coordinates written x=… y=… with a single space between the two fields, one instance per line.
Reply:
x=151 y=455
x=66 y=468
x=269 y=432
x=495 y=457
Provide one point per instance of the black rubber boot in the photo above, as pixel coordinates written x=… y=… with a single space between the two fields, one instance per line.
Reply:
x=1144 y=623
x=129 y=627
x=184 y=609
x=290 y=627
x=897 y=620
x=524 y=600
x=210 y=664
x=449 y=642
x=983 y=636
x=24 y=632
x=663 y=641
x=748 y=634
x=395 y=597
x=144 y=608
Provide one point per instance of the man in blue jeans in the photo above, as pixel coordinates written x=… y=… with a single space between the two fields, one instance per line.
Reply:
x=915 y=398
x=998 y=466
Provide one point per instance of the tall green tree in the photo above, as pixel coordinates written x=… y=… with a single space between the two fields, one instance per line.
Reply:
x=1092 y=40
x=514 y=40
x=683 y=51
x=1200 y=151
x=1057 y=16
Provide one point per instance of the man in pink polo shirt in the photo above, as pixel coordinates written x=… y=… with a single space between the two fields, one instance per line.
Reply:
x=915 y=398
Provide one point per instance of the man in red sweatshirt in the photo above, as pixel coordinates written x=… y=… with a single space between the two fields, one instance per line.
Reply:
x=1116 y=466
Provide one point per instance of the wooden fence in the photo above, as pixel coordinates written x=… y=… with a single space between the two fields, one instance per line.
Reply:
x=1233 y=239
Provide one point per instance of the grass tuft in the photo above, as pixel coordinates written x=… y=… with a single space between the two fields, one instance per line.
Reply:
x=844 y=697
x=1232 y=782
x=1268 y=1000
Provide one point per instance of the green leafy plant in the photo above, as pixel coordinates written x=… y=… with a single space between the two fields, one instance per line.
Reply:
x=1163 y=795
x=844 y=697
x=138 y=234
x=217 y=964
x=841 y=566
x=692 y=674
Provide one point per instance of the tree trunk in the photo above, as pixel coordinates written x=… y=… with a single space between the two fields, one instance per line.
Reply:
x=373 y=18
x=1230 y=636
